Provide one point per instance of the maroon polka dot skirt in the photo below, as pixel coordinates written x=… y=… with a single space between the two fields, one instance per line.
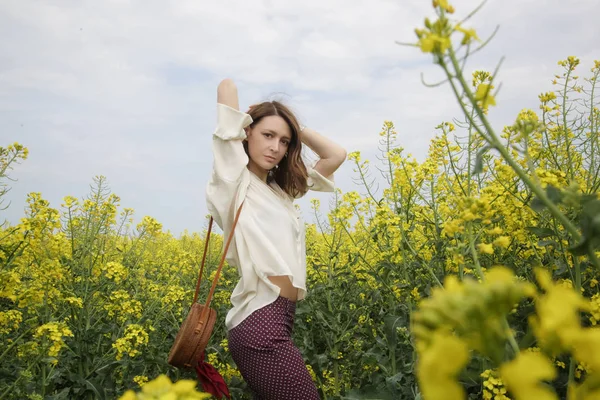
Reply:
x=263 y=350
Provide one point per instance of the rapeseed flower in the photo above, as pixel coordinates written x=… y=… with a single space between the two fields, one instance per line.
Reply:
x=162 y=388
x=437 y=378
x=523 y=376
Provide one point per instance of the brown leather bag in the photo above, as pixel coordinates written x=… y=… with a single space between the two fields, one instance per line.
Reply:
x=195 y=332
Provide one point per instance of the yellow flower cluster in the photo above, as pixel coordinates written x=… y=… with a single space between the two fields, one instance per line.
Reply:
x=484 y=96
x=226 y=370
x=133 y=339
x=460 y=316
x=140 y=379
x=493 y=387
x=549 y=177
x=52 y=335
x=595 y=309
x=470 y=209
x=11 y=153
x=114 y=271
x=469 y=315
x=162 y=388
x=474 y=311
x=523 y=376
x=122 y=306
x=75 y=301
x=9 y=321
x=149 y=226
x=571 y=62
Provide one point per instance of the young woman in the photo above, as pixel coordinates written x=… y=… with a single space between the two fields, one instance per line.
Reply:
x=257 y=161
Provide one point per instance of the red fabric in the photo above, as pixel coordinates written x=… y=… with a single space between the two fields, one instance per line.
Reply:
x=211 y=380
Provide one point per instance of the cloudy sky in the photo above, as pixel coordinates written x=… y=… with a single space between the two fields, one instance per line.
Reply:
x=127 y=88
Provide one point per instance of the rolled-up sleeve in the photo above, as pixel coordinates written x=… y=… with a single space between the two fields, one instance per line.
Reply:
x=318 y=182
x=230 y=159
x=230 y=164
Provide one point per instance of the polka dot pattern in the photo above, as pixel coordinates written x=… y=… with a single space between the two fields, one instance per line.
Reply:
x=262 y=347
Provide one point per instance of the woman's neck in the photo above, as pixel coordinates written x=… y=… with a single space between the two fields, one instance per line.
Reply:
x=258 y=171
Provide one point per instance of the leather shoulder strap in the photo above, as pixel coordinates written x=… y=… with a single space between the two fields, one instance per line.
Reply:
x=218 y=274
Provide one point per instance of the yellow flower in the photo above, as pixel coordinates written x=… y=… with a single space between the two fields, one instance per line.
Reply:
x=133 y=339
x=522 y=376
x=9 y=321
x=582 y=392
x=485 y=248
x=469 y=34
x=52 y=333
x=557 y=322
x=415 y=293
x=437 y=379
x=162 y=388
x=140 y=379
x=484 y=96
x=444 y=5
x=431 y=42
x=493 y=387
x=502 y=241
x=494 y=231
x=586 y=348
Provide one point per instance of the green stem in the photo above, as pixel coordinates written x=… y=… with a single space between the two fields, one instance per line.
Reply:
x=474 y=253
x=494 y=141
x=511 y=337
x=565 y=126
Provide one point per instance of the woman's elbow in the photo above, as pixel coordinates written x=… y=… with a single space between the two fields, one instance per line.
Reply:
x=340 y=156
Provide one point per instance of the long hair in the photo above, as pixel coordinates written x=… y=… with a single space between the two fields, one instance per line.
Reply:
x=290 y=174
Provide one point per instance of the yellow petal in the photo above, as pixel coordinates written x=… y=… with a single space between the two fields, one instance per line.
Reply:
x=523 y=375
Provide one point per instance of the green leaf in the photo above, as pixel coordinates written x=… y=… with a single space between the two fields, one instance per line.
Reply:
x=580 y=249
x=554 y=194
x=562 y=267
x=541 y=232
x=537 y=205
x=394 y=382
x=390 y=323
x=100 y=394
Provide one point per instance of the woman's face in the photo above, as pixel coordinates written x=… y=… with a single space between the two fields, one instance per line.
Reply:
x=268 y=141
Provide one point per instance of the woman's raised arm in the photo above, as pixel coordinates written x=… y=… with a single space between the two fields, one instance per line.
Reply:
x=227 y=94
x=230 y=159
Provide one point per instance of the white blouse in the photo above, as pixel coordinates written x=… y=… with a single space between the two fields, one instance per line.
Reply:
x=269 y=239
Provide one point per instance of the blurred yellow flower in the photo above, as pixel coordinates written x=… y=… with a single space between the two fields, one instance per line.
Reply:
x=523 y=375
x=485 y=248
x=484 y=96
x=437 y=380
x=162 y=388
x=469 y=34
x=502 y=241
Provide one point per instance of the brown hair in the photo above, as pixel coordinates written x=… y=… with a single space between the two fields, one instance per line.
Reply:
x=291 y=174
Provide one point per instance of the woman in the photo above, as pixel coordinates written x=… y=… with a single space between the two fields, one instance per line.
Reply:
x=257 y=161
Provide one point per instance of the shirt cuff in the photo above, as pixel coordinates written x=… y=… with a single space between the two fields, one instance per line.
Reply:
x=318 y=182
x=231 y=123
